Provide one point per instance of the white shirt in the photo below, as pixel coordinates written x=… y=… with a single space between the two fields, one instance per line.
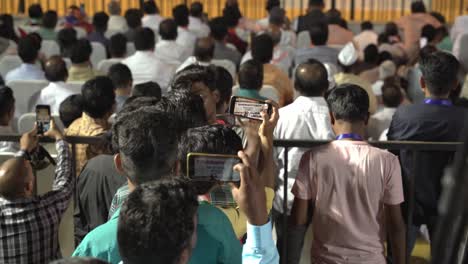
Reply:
x=25 y=71
x=199 y=28
x=152 y=21
x=459 y=27
x=365 y=38
x=8 y=146
x=186 y=38
x=307 y=118
x=145 y=67
x=170 y=50
x=104 y=65
x=226 y=64
x=54 y=94
x=117 y=23
x=379 y=122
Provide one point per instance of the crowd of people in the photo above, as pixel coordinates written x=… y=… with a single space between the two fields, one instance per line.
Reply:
x=148 y=110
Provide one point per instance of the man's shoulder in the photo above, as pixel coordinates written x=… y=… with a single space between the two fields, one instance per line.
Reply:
x=209 y=215
x=99 y=240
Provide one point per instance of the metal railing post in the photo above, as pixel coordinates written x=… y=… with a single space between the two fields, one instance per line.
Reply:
x=284 y=246
x=411 y=187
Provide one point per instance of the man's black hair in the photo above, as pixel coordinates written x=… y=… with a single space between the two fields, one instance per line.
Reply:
x=392 y=95
x=66 y=38
x=71 y=109
x=196 y=9
x=118 y=45
x=333 y=16
x=367 y=25
x=311 y=78
x=134 y=103
x=277 y=16
x=188 y=108
x=218 y=27
x=439 y=17
x=391 y=29
x=150 y=7
x=270 y=4
x=144 y=39
x=440 y=72
x=349 y=102
x=120 y=75
x=232 y=15
x=81 y=51
x=384 y=56
x=262 y=48
x=55 y=69
x=168 y=29
x=147 y=89
x=204 y=49
x=251 y=75
x=181 y=15
x=49 y=20
x=316 y=3
x=382 y=38
x=79 y=260
x=428 y=32
x=27 y=49
x=418 y=7
x=224 y=83
x=98 y=97
x=319 y=34
x=133 y=17
x=35 y=11
x=371 y=54
x=37 y=39
x=100 y=20
x=184 y=79
x=156 y=223
x=7 y=100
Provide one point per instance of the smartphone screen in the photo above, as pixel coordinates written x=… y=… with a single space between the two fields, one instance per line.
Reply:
x=42 y=118
x=213 y=167
x=249 y=108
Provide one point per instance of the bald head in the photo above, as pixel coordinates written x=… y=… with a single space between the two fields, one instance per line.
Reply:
x=16 y=179
x=56 y=69
x=311 y=78
x=204 y=49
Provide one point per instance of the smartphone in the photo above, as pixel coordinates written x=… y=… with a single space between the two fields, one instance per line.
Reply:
x=248 y=107
x=212 y=167
x=43 y=118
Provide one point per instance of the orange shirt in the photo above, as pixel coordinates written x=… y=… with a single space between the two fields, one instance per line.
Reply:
x=274 y=76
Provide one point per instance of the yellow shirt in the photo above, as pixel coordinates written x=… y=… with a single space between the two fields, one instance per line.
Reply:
x=342 y=78
x=81 y=73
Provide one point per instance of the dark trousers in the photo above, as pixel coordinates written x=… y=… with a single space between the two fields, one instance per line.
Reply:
x=295 y=239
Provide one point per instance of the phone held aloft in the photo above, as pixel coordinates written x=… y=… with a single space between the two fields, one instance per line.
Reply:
x=42 y=118
x=212 y=167
x=249 y=108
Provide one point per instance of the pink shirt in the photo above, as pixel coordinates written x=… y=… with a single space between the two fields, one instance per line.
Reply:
x=339 y=35
x=349 y=183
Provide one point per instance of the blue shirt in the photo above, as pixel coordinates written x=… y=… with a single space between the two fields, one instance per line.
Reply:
x=260 y=247
x=254 y=94
x=25 y=71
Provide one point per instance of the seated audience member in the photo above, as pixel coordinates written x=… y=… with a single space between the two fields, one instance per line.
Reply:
x=415 y=94
x=28 y=70
x=79 y=261
x=386 y=69
x=117 y=50
x=7 y=28
x=319 y=50
x=116 y=21
x=53 y=94
x=369 y=69
x=7 y=114
x=392 y=97
x=100 y=20
x=66 y=39
x=197 y=24
x=277 y=24
x=443 y=40
x=348 y=59
x=232 y=16
x=35 y=14
x=71 y=109
x=133 y=18
x=313 y=16
x=366 y=37
x=262 y=51
x=251 y=80
x=151 y=18
x=49 y=22
x=81 y=69
x=144 y=65
x=122 y=78
x=270 y=4
x=147 y=89
x=224 y=83
x=341 y=35
x=77 y=18
x=98 y=100
x=184 y=37
x=167 y=48
x=29 y=232
x=428 y=36
x=434 y=119
x=330 y=184
x=219 y=31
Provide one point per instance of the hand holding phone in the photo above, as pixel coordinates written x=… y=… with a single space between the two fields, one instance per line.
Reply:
x=42 y=118
x=212 y=167
x=249 y=108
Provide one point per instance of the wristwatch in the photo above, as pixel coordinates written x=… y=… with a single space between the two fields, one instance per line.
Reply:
x=23 y=154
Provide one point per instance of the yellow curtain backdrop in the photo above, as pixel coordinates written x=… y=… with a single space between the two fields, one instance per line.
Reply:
x=374 y=10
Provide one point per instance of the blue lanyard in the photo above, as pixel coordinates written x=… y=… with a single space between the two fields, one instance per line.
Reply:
x=442 y=102
x=349 y=136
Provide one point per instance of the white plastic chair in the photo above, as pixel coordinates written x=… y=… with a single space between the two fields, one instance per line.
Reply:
x=50 y=48
x=460 y=52
x=8 y=63
x=98 y=54
x=130 y=49
x=75 y=86
x=24 y=91
x=303 y=40
x=105 y=65
x=26 y=122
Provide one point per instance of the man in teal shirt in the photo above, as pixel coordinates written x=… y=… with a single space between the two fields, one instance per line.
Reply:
x=251 y=80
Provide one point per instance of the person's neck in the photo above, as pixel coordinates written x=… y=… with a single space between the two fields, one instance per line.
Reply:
x=122 y=91
x=275 y=28
x=342 y=127
x=436 y=97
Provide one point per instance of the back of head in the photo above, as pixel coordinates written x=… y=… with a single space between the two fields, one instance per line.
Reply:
x=150 y=7
x=118 y=45
x=428 y=32
x=232 y=15
x=133 y=17
x=224 y=83
x=204 y=49
x=371 y=54
x=100 y=20
x=147 y=89
x=219 y=29
x=168 y=29
x=262 y=48
x=7 y=102
x=367 y=25
x=275 y=36
x=55 y=69
x=66 y=38
x=144 y=39
x=35 y=11
x=333 y=16
x=98 y=97
x=439 y=17
x=49 y=20
x=277 y=16
x=317 y=3
x=120 y=75
x=418 y=7
x=114 y=8
x=391 y=29
x=27 y=49
x=270 y=4
x=196 y=9
x=319 y=34
x=134 y=103
x=184 y=79
x=311 y=79
x=392 y=95
x=146 y=233
x=13 y=178
x=349 y=103
x=71 y=109
x=440 y=72
x=76 y=260
x=7 y=29
x=181 y=15
x=251 y=75
x=81 y=51
x=187 y=107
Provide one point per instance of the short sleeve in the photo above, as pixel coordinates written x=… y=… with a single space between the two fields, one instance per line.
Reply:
x=304 y=187
x=393 y=192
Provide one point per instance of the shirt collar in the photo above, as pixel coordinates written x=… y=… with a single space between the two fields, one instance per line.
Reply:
x=308 y=100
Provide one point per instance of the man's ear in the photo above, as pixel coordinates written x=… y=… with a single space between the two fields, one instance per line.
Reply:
x=217 y=96
x=332 y=118
x=422 y=82
x=366 y=121
x=118 y=164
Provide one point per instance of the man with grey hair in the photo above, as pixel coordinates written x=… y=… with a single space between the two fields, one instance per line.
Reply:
x=116 y=22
